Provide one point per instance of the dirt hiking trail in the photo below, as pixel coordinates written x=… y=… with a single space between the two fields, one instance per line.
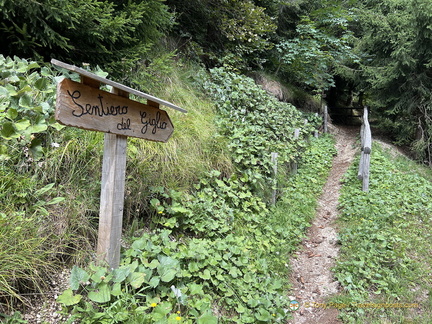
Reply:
x=311 y=276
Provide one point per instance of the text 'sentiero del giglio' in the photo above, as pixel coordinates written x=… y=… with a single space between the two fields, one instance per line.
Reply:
x=94 y=109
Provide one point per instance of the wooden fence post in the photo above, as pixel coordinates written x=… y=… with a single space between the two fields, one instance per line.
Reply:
x=325 y=119
x=294 y=165
x=367 y=144
x=112 y=199
x=366 y=166
x=360 y=170
x=366 y=149
x=274 y=157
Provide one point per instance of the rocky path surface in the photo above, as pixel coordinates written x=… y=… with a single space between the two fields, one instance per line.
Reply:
x=312 y=279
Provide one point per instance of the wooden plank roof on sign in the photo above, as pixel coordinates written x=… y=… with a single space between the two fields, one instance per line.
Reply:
x=114 y=84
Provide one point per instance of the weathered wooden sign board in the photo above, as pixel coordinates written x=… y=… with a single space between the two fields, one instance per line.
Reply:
x=84 y=105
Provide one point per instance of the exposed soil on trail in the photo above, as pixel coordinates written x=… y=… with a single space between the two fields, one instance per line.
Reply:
x=44 y=308
x=312 y=279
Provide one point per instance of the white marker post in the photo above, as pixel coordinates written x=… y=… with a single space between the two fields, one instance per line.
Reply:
x=84 y=105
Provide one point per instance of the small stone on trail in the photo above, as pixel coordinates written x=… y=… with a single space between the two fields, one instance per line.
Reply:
x=318 y=240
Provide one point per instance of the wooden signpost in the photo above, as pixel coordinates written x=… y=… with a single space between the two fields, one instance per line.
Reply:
x=84 y=105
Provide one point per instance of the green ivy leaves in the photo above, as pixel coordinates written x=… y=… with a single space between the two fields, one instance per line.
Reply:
x=78 y=277
x=167 y=268
x=27 y=102
x=377 y=251
x=68 y=298
x=180 y=279
x=257 y=124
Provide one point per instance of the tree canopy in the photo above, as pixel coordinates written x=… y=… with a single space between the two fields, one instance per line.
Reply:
x=89 y=31
x=395 y=40
x=377 y=50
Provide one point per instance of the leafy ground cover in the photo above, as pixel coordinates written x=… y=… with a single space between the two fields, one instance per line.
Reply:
x=50 y=174
x=233 y=273
x=219 y=251
x=385 y=265
x=202 y=239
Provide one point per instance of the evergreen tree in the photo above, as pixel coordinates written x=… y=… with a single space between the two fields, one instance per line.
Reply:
x=92 y=31
x=396 y=39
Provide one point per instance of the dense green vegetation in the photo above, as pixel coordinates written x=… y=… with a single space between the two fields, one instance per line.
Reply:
x=213 y=210
x=236 y=271
x=394 y=40
x=373 y=52
x=202 y=240
x=113 y=33
x=235 y=260
x=386 y=243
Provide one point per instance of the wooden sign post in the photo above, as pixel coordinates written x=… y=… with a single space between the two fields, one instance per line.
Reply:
x=84 y=105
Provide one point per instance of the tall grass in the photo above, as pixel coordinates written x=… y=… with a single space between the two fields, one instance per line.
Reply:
x=24 y=255
x=194 y=148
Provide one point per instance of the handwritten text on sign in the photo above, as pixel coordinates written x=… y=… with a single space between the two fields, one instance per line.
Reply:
x=82 y=106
